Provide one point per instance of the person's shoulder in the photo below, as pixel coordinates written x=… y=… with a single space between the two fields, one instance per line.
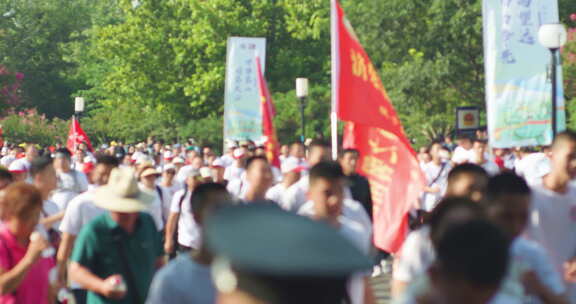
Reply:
x=307 y=209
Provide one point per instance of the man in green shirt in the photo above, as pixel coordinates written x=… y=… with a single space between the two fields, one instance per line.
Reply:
x=119 y=247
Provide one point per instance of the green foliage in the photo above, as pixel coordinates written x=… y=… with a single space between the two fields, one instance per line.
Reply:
x=159 y=68
x=29 y=126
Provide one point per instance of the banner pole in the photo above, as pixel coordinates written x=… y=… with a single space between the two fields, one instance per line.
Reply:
x=335 y=76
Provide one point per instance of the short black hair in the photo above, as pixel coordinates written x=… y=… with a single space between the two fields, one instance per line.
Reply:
x=200 y=196
x=346 y=151
x=107 y=160
x=466 y=168
x=475 y=251
x=5 y=174
x=506 y=183
x=329 y=170
x=40 y=164
x=437 y=217
x=319 y=143
x=251 y=160
x=64 y=152
x=482 y=141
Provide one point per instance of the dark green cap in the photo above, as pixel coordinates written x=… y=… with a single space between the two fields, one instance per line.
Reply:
x=265 y=240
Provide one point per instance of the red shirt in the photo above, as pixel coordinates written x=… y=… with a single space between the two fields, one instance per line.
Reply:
x=34 y=288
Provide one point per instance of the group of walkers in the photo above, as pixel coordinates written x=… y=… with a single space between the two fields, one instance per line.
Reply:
x=157 y=223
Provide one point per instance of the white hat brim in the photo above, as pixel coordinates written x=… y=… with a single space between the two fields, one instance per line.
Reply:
x=107 y=199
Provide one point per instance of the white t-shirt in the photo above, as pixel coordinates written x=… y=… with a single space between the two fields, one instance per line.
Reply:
x=227 y=160
x=462 y=155
x=183 y=174
x=81 y=211
x=436 y=176
x=552 y=226
x=156 y=208
x=360 y=236
x=295 y=196
x=188 y=229
x=70 y=185
x=416 y=255
x=533 y=167
x=275 y=193
x=49 y=208
x=7 y=160
x=233 y=173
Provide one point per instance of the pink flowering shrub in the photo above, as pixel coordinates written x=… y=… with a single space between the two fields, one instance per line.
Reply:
x=29 y=126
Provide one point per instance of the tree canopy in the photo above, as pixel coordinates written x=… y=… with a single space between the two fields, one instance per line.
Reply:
x=158 y=66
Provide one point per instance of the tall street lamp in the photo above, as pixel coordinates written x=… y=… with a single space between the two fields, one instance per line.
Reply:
x=302 y=93
x=553 y=36
x=78 y=107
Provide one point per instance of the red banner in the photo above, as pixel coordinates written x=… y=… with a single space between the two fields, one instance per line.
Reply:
x=267 y=108
x=360 y=84
x=373 y=127
x=76 y=136
x=395 y=181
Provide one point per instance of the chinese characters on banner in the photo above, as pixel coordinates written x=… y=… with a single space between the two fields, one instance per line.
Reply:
x=373 y=127
x=518 y=85
x=242 y=115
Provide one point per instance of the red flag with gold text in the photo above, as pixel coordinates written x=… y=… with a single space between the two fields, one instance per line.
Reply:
x=76 y=136
x=373 y=127
x=267 y=108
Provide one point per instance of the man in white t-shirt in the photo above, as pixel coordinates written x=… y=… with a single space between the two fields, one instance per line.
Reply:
x=436 y=172
x=196 y=162
x=71 y=182
x=482 y=158
x=326 y=193
x=159 y=207
x=532 y=166
x=463 y=152
x=20 y=168
x=259 y=179
x=295 y=196
x=81 y=210
x=553 y=217
x=236 y=170
x=44 y=179
x=181 y=221
x=10 y=157
x=291 y=174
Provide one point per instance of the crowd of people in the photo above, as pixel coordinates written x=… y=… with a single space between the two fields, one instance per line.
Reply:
x=157 y=223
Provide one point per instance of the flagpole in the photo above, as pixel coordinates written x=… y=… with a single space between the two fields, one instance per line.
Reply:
x=335 y=75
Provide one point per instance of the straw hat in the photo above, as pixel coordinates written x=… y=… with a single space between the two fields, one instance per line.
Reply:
x=122 y=194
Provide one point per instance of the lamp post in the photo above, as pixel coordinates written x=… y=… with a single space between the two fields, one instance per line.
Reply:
x=302 y=93
x=78 y=107
x=553 y=36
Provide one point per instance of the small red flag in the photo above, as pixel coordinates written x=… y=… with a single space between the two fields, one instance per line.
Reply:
x=268 y=131
x=76 y=136
x=373 y=127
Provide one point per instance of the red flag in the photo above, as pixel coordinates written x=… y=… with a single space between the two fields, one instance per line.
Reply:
x=76 y=136
x=387 y=159
x=267 y=108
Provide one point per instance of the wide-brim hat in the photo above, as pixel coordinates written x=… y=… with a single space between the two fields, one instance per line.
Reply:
x=122 y=193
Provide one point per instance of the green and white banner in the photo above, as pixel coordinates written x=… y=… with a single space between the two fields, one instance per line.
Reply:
x=518 y=85
x=242 y=117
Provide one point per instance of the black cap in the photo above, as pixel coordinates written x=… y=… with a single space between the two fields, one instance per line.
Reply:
x=266 y=240
x=280 y=257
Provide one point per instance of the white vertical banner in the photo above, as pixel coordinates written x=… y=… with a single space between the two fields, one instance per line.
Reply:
x=518 y=83
x=242 y=117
